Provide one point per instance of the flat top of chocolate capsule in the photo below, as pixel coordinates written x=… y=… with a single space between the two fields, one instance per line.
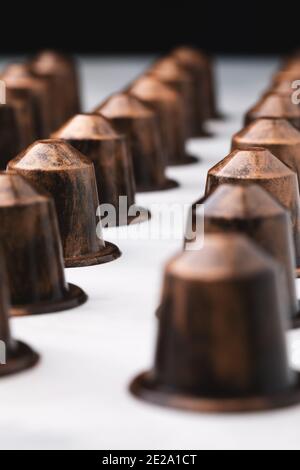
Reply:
x=275 y=105
x=124 y=105
x=85 y=127
x=223 y=256
x=269 y=131
x=168 y=69
x=255 y=162
x=148 y=87
x=50 y=155
x=16 y=191
x=231 y=201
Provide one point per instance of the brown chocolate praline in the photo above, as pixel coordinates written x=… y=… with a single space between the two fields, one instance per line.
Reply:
x=141 y=127
x=194 y=65
x=200 y=65
x=169 y=72
x=18 y=76
x=32 y=250
x=275 y=105
x=94 y=136
x=69 y=177
x=168 y=105
x=282 y=140
x=60 y=71
x=21 y=101
x=221 y=343
x=250 y=210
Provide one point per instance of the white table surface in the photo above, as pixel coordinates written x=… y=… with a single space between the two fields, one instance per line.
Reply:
x=77 y=397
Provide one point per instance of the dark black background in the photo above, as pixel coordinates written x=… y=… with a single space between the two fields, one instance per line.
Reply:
x=148 y=27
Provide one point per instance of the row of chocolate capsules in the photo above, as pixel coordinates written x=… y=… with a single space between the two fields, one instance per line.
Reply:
x=31 y=249
x=155 y=127
x=156 y=113
x=56 y=167
x=38 y=241
x=50 y=81
x=32 y=254
x=48 y=204
x=281 y=99
x=73 y=181
x=31 y=100
x=134 y=135
x=179 y=88
x=230 y=296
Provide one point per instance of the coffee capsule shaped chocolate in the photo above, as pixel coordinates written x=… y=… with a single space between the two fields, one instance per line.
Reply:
x=277 y=135
x=275 y=106
x=200 y=66
x=32 y=249
x=61 y=73
x=252 y=211
x=221 y=341
x=15 y=356
x=169 y=72
x=197 y=66
x=23 y=106
x=260 y=166
x=141 y=127
x=64 y=69
x=18 y=76
x=69 y=177
x=168 y=105
x=10 y=138
x=94 y=136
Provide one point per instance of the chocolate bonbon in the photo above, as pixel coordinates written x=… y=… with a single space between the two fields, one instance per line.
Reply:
x=61 y=170
x=221 y=342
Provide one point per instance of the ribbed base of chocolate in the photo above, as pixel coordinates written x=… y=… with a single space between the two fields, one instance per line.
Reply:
x=73 y=298
x=107 y=254
x=22 y=358
x=145 y=388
